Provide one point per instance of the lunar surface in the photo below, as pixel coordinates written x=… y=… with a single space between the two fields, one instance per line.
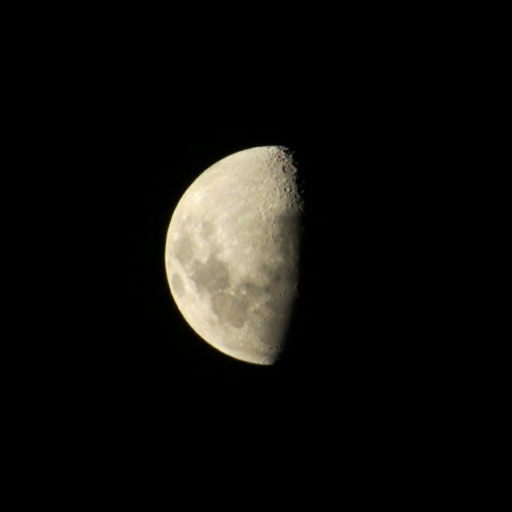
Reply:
x=232 y=253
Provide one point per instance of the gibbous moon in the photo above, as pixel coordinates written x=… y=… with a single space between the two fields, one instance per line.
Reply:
x=232 y=253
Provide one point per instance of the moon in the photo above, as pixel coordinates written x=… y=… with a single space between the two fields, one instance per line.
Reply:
x=232 y=253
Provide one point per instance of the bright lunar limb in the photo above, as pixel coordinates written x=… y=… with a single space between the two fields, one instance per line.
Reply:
x=232 y=253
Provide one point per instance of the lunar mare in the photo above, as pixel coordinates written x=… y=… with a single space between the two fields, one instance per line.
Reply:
x=232 y=253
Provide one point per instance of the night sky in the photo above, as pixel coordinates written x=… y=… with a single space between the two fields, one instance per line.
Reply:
x=116 y=122
x=128 y=164
x=349 y=321
x=117 y=160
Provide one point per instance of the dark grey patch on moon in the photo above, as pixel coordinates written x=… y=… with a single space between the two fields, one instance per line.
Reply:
x=207 y=230
x=177 y=285
x=279 y=276
x=229 y=309
x=184 y=249
x=211 y=277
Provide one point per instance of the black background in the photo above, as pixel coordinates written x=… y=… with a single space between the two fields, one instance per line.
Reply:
x=115 y=114
x=120 y=133
x=120 y=334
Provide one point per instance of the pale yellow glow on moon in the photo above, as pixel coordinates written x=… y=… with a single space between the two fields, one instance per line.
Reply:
x=232 y=253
